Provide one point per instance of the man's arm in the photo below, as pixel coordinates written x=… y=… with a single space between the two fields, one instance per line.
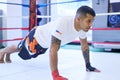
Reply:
x=85 y=51
x=54 y=47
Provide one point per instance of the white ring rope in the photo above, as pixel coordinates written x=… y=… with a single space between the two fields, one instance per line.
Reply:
x=39 y=16
x=112 y=13
x=43 y=16
x=25 y=17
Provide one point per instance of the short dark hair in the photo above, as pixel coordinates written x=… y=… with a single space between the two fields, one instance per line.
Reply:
x=83 y=10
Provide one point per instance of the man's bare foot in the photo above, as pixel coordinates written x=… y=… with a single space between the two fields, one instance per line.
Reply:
x=7 y=59
x=1 y=57
x=1 y=61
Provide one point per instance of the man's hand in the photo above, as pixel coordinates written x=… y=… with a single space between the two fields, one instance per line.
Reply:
x=56 y=76
x=85 y=51
x=89 y=68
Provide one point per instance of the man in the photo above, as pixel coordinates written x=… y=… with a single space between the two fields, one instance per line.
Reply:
x=52 y=36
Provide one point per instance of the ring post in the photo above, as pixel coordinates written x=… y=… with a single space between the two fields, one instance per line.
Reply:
x=32 y=14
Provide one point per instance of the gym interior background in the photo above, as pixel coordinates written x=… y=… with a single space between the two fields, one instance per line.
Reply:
x=19 y=11
x=14 y=23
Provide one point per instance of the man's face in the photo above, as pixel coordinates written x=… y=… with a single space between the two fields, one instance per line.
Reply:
x=86 y=22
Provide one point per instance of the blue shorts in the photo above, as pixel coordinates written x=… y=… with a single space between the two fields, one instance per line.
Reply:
x=29 y=47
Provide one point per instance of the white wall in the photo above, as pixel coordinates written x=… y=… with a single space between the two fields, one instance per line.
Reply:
x=10 y=21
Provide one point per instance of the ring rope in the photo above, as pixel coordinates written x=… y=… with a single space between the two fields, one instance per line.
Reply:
x=104 y=28
x=44 y=5
x=76 y=41
x=41 y=16
x=24 y=5
x=112 y=13
x=41 y=5
x=15 y=16
x=25 y=17
x=13 y=28
x=90 y=28
x=11 y=40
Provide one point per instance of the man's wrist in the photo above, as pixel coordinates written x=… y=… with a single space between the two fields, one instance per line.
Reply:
x=55 y=73
x=88 y=65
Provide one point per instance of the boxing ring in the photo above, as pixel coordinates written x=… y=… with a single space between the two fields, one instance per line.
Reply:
x=71 y=62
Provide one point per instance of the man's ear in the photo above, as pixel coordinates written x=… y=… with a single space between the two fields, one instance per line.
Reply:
x=79 y=18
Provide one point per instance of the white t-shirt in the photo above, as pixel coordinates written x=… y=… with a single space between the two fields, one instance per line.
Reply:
x=63 y=29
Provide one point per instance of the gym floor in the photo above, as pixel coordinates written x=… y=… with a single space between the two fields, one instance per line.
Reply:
x=71 y=65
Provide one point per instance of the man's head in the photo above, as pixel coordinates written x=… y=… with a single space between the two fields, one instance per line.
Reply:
x=84 y=18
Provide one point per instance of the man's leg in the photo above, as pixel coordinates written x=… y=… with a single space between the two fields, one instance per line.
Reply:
x=7 y=51
x=7 y=59
x=1 y=57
